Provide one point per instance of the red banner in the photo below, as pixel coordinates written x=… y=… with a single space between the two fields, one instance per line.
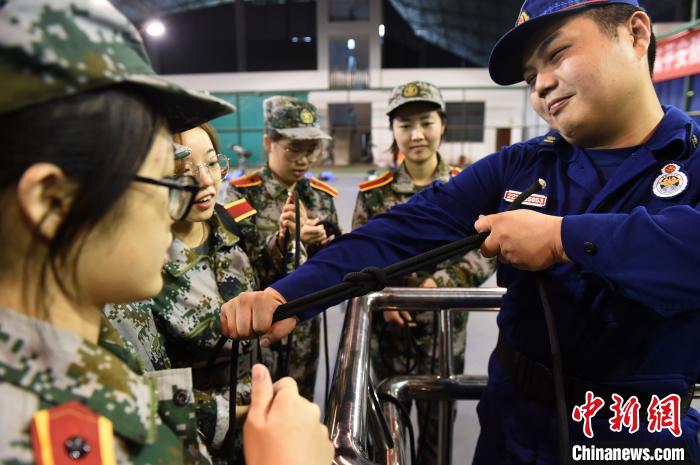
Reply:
x=678 y=56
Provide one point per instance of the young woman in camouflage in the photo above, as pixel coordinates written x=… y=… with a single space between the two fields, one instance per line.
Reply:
x=89 y=200
x=403 y=342
x=206 y=266
x=293 y=141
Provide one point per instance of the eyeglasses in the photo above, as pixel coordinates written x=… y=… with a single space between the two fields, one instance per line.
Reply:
x=181 y=193
x=294 y=152
x=215 y=168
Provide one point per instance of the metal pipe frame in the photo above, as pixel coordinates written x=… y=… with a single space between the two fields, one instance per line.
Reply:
x=347 y=412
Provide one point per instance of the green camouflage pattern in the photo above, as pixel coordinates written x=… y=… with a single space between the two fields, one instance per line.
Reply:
x=261 y=232
x=59 y=48
x=292 y=118
x=395 y=350
x=42 y=366
x=468 y=271
x=168 y=382
x=415 y=91
x=179 y=327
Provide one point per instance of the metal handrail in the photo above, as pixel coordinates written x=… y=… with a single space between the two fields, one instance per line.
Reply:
x=347 y=412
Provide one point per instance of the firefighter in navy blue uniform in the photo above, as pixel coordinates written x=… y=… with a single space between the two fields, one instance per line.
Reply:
x=613 y=237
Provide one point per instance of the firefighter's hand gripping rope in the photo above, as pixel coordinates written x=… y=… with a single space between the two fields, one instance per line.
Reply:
x=273 y=316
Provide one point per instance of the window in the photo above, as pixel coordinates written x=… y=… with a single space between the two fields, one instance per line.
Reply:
x=348 y=10
x=465 y=122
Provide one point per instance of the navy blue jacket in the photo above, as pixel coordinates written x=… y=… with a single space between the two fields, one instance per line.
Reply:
x=627 y=308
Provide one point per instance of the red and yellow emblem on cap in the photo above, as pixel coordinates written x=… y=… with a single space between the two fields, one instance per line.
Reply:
x=240 y=209
x=523 y=17
x=72 y=433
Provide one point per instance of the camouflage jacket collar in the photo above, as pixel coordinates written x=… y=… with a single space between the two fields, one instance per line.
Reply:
x=181 y=258
x=403 y=184
x=58 y=366
x=274 y=188
x=113 y=342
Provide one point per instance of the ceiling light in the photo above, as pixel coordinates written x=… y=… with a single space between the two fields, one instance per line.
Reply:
x=155 y=28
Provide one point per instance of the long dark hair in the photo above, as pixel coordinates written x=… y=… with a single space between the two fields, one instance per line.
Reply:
x=91 y=137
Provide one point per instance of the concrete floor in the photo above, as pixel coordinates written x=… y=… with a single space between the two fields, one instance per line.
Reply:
x=481 y=332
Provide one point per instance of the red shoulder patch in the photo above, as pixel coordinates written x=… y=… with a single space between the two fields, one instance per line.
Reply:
x=455 y=171
x=240 y=209
x=322 y=186
x=382 y=180
x=249 y=180
x=71 y=433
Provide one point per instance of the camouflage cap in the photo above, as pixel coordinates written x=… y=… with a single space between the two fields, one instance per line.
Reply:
x=292 y=118
x=415 y=91
x=58 y=48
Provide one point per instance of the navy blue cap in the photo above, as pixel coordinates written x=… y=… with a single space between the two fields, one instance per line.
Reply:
x=506 y=62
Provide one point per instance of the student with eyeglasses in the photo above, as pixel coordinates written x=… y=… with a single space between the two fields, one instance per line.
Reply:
x=207 y=265
x=89 y=201
x=293 y=141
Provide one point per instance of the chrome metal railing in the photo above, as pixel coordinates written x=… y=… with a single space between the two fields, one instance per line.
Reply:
x=352 y=421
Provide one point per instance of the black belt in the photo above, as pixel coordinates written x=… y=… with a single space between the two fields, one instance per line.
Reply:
x=534 y=380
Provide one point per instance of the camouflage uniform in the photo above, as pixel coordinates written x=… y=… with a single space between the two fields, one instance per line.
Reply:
x=43 y=366
x=180 y=326
x=396 y=350
x=376 y=197
x=293 y=119
x=50 y=51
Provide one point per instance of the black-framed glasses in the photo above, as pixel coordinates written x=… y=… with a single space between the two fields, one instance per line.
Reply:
x=181 y=193
x=215 y=168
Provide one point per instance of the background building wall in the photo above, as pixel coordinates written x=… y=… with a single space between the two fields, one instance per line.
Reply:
x=505 y=107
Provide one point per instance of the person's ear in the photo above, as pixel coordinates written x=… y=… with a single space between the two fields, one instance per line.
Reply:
x=267 y=143
x=45 y=196
x=640 y=30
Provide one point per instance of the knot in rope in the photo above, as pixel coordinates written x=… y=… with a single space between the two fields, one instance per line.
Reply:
x=368 y=280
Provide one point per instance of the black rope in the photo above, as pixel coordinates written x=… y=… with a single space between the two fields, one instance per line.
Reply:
x=297 y=231
x=383 y=425
x=557 y=374
x=232 y=397
x=368 y=280
x=284 y=354
x=384 y=397
x=374 y=279
x=326 y=353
